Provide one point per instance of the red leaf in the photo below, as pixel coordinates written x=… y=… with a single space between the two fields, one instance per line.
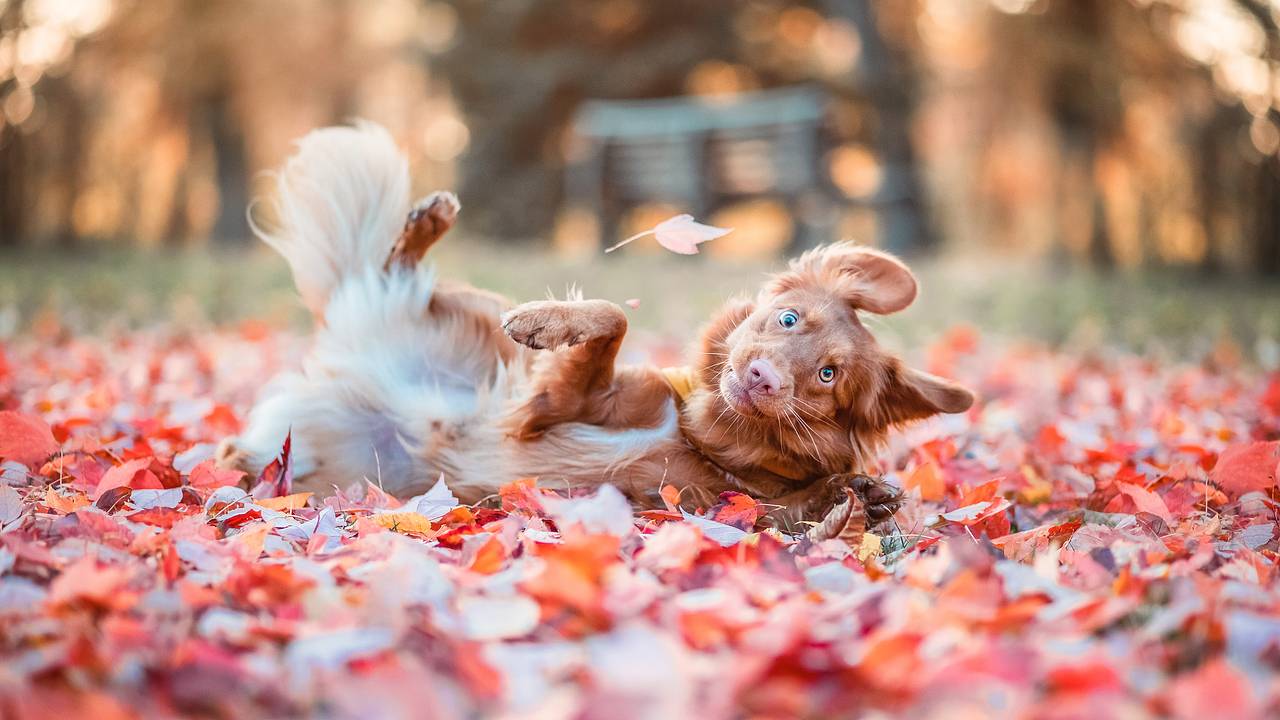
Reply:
x=163 y=517
x=276 y=479
x=133 y=474
x=111 y=499
x=736 y=509
x=1247 y=467
x=25 y=439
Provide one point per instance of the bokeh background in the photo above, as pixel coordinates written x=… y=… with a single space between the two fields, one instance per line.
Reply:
x=1097 y=172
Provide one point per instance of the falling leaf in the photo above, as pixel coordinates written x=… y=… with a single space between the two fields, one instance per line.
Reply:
x=680 y=234
x=25 y=439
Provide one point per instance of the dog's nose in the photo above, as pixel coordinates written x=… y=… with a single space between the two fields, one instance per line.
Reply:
x=762 y=377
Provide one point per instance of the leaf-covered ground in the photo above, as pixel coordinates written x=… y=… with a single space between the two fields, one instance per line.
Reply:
x=1098 y=538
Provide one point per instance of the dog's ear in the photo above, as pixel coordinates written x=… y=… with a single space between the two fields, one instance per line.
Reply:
x=868 y=279
x=909 y=394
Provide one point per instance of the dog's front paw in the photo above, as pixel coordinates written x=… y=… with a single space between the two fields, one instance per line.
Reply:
x=880 y=499
x=854 y=504
x=540 y=325
x=551 y=324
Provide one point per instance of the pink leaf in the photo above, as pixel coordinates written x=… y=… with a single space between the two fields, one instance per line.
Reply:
x=682 y=234
x=208 y=475
x=1147 y=501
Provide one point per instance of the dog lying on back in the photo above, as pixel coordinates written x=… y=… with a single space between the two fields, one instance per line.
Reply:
x=788 y=396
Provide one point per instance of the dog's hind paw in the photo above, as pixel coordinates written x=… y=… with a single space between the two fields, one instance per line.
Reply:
x=429 y=220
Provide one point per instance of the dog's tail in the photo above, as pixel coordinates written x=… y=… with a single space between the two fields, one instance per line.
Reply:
x=341 y=201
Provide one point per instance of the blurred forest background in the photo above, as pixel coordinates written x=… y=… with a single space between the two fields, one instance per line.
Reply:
x=1139 y=138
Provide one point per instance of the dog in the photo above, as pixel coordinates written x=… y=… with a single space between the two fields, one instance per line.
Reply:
x=788 y=396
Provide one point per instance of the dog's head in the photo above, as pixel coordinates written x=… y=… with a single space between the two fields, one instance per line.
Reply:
x=804 y=352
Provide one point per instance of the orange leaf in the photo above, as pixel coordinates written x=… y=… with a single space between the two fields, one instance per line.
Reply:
x=490 y=558
x=671 y=496
x=287 y=503
x=928 y=478
x=404 y=522
x=522 y=495
x=64 y=504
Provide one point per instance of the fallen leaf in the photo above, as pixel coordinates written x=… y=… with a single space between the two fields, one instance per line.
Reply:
x=207 y=474
x=928 y=479
x=870 y=547
x=133 y=474
x=286 y=503
x=725 y=535
x=65 y=504
x=25 y=439
x=1247 y=467
x=1147 y=501
x=10 y=505
x=736 y=509
x=405 y=522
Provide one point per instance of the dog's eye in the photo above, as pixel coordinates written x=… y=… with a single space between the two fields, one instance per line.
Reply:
x=788 y=318
x=827 y=374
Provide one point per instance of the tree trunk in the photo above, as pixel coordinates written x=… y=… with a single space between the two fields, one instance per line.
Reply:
x=884 y=77
x=13 y=165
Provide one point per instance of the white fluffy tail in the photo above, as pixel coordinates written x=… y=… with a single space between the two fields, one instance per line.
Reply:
x=342 y=198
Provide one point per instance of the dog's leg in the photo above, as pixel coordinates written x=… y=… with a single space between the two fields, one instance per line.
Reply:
x=578 y=382
x=429 y=220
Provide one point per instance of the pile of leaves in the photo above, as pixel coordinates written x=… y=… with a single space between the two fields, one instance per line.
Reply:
x=1097 y=538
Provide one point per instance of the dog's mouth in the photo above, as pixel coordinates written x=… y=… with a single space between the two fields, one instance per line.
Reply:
x=737 y=396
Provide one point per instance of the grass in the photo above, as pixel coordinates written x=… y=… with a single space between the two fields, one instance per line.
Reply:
x=111 y=289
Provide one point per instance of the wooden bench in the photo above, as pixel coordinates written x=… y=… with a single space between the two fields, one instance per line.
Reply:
x=704 y=154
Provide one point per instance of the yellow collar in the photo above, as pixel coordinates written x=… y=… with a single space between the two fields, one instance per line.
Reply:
x=682 y=380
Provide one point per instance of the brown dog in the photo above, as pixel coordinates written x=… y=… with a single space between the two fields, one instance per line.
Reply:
x=787 y=399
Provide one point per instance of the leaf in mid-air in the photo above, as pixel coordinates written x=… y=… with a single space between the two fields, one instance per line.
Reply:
x=680 y=234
